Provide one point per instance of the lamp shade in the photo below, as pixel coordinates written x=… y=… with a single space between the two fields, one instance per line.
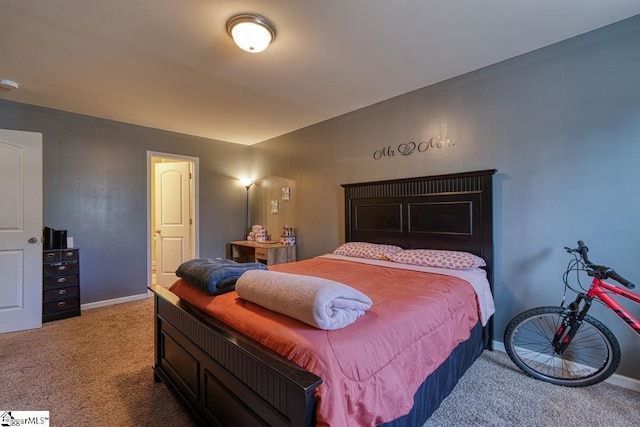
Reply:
x=252 y=33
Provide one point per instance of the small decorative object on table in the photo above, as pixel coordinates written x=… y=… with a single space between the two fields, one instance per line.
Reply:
x=258 y=234
x=287 y=237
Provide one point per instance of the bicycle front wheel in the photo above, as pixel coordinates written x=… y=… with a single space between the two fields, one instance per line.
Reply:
x=592 y=356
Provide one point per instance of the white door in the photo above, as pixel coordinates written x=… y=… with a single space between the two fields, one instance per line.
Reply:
x=20 y=230
x=172 y=218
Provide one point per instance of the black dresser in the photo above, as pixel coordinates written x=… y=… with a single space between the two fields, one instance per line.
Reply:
x=60 y=284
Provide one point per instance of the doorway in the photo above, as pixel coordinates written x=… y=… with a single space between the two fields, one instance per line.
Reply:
x=172 y=195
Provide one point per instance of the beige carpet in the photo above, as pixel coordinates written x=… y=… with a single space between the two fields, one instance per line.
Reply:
x=95 y=370
x=92 y=370
x=494 y=392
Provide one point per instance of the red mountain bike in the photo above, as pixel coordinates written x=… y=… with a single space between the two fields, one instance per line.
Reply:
x=564 y=345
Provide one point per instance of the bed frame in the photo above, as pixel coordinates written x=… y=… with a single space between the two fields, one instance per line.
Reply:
x=223 y=378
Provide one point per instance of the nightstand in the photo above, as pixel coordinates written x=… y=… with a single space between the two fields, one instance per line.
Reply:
x=265 y=253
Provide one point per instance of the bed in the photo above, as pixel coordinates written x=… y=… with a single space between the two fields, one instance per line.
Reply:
x=223 y=377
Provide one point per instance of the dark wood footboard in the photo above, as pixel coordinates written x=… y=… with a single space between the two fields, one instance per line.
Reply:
x=224 y=378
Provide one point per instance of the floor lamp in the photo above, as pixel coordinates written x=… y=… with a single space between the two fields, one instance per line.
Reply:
x=247 y=184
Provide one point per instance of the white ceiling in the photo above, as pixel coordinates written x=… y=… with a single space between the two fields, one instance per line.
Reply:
x=169 y=64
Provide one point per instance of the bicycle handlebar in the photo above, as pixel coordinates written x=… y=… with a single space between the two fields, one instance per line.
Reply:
x=599 y=271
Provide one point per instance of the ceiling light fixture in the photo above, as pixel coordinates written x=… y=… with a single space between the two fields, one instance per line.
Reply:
x=8 y=84
x=251 y=32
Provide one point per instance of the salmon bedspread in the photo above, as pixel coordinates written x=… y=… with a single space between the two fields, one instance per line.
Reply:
x=372 y=368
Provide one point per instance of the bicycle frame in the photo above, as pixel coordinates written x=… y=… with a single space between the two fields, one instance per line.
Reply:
x=569 y=327
x=599 y=290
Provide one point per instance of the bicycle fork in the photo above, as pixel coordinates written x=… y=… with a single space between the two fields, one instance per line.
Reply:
x=571 y=323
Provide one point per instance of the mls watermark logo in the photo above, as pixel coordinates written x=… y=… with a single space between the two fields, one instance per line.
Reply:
x=24 y=418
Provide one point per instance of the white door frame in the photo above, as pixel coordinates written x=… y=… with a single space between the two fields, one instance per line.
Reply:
x=195 y=241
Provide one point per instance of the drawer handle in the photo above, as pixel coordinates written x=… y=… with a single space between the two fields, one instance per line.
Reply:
x=62 y=279
x=50 y=255
x=62 y=291
x=62 y=267
x=62 y=304
x=68 y=253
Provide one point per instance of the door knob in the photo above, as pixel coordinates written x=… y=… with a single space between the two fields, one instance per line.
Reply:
x=158 y=231
x=32 y=240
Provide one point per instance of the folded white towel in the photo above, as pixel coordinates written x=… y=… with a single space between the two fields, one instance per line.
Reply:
x=319 y=302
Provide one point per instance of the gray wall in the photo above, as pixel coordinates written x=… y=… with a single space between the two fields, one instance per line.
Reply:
x=562 y=127
x=95 y=186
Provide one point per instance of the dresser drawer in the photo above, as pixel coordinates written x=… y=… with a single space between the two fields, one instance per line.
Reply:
x=61 y=293
x=58 y=306
x=60 y=269
x=53 y=256
x=69 y=255
x=261 y=253
x=60 y=282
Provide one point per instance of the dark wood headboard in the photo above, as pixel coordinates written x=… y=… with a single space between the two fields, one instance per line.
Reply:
x=453 y=211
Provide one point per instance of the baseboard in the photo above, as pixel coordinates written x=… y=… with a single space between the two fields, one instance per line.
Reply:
x=499 y=346
x=626 y=382
x=615 y=379
x=114 y=301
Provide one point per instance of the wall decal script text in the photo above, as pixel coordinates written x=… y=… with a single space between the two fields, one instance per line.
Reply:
x=409 y=148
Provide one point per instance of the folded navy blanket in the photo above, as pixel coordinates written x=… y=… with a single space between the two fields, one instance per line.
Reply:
x=215 y=276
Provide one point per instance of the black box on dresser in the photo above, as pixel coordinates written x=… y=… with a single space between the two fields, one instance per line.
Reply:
x=60 y=284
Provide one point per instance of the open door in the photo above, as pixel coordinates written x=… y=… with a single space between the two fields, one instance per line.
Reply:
x=173 y=220
x=20 y=230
